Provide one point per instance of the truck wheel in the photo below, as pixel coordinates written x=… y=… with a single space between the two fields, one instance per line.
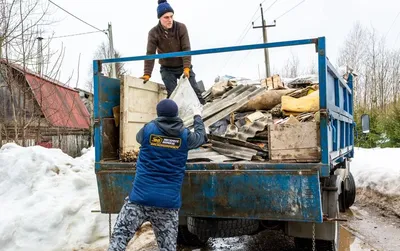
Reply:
x=351 y=193
x=187 y=238
x=205 y=228
x=320 y=245
x=342 y=199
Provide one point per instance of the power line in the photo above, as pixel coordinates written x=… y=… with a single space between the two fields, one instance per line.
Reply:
x=397 y=38
x=77 y=17
x=394 y=21
x=269 y=7
x=248 y=53
x=290 y=10
x=242 y=36
x=77 y=34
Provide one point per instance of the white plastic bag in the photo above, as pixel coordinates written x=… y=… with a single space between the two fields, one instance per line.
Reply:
x=185 y=97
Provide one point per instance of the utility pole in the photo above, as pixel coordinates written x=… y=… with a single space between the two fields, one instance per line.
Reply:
x=39 y=56
x=264 y=26
x=111 y=51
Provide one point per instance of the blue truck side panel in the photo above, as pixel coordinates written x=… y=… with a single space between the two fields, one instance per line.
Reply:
x=270 y=191
x=106 y=96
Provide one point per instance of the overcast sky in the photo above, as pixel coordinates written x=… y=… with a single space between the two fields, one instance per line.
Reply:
x=218 y=23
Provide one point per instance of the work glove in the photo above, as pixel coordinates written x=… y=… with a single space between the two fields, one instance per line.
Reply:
x=145 y=78
x=186 y=72
x=198 y=110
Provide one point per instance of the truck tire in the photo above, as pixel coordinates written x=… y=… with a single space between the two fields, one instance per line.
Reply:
x=320 y=245
x=351 y=193
x=205 y=228
x=187 y=238
x=342 y=199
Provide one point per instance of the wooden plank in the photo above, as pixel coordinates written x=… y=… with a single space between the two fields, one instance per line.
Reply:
x=138 y=107
x=294 y=142
x=296 y=155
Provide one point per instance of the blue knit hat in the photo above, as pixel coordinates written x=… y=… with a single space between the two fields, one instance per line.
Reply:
x=163 y=7
x=167 y=108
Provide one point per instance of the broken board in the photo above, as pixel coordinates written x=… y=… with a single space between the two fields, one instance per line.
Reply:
x=138 y=107
x=298 y=142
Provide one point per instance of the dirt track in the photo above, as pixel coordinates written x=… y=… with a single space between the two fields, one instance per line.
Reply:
x=373 y=223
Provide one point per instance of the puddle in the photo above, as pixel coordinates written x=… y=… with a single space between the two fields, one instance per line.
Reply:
x=348 y=242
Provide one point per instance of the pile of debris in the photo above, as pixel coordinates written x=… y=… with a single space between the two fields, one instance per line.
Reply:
x=241 y=118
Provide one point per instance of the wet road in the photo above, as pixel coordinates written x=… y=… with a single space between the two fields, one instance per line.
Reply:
x=274 y=240
x=367 y=228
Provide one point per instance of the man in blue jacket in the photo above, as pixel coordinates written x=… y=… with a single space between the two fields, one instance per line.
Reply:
x=160 y=169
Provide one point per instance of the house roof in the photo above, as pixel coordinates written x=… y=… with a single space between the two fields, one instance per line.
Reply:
x=60 y=104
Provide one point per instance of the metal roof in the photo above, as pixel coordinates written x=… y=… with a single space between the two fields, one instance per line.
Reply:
x=60 y=104
x=231 y=101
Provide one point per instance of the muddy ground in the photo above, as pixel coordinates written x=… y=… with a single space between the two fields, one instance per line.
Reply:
x=373 y=223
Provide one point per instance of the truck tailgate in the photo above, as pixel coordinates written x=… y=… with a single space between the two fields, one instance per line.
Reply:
x=290 y=194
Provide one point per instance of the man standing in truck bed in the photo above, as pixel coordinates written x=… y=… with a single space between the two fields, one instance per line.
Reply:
x=170 y=36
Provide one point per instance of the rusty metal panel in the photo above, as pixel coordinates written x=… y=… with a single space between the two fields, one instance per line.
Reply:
x=110 y=138
x=270 y=195
x=106 y=99
x=114 y=186
x=60 y=105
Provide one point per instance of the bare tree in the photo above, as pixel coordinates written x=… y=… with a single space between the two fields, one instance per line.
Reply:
x=352 y=55
x=102 y=53
x=377 y=67
x=19 y=32
x=291 y=67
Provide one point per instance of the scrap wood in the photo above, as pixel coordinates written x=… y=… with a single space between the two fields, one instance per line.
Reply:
x=225 y=106
x=251 y=118
x=241 y=101
x=130 y=156
x=273 y=82
x=298 y=93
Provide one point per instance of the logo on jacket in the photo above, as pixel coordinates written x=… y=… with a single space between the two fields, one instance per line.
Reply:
x=166 y=142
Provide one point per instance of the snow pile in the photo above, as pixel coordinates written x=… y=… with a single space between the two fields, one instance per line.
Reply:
x=46 y=200
x=377 y=169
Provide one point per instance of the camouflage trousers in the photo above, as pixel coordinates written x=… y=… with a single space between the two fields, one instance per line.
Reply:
x=164 y=221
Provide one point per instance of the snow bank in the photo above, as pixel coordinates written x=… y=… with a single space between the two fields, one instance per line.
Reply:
x=46 y=200
x=377 y=169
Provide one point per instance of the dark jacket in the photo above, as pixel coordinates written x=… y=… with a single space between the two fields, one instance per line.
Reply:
x=161 y=165
x=164 y=41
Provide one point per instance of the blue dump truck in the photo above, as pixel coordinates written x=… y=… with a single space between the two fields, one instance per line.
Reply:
x=302 y=198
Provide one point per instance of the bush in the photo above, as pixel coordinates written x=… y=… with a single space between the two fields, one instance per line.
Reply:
x=384 y=128
x=392 y=127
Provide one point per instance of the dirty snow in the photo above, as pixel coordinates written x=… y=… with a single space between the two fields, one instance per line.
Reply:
x=377 y=169
x=46 y=198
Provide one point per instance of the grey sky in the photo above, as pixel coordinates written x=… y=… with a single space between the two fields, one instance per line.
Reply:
x=218 y=23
